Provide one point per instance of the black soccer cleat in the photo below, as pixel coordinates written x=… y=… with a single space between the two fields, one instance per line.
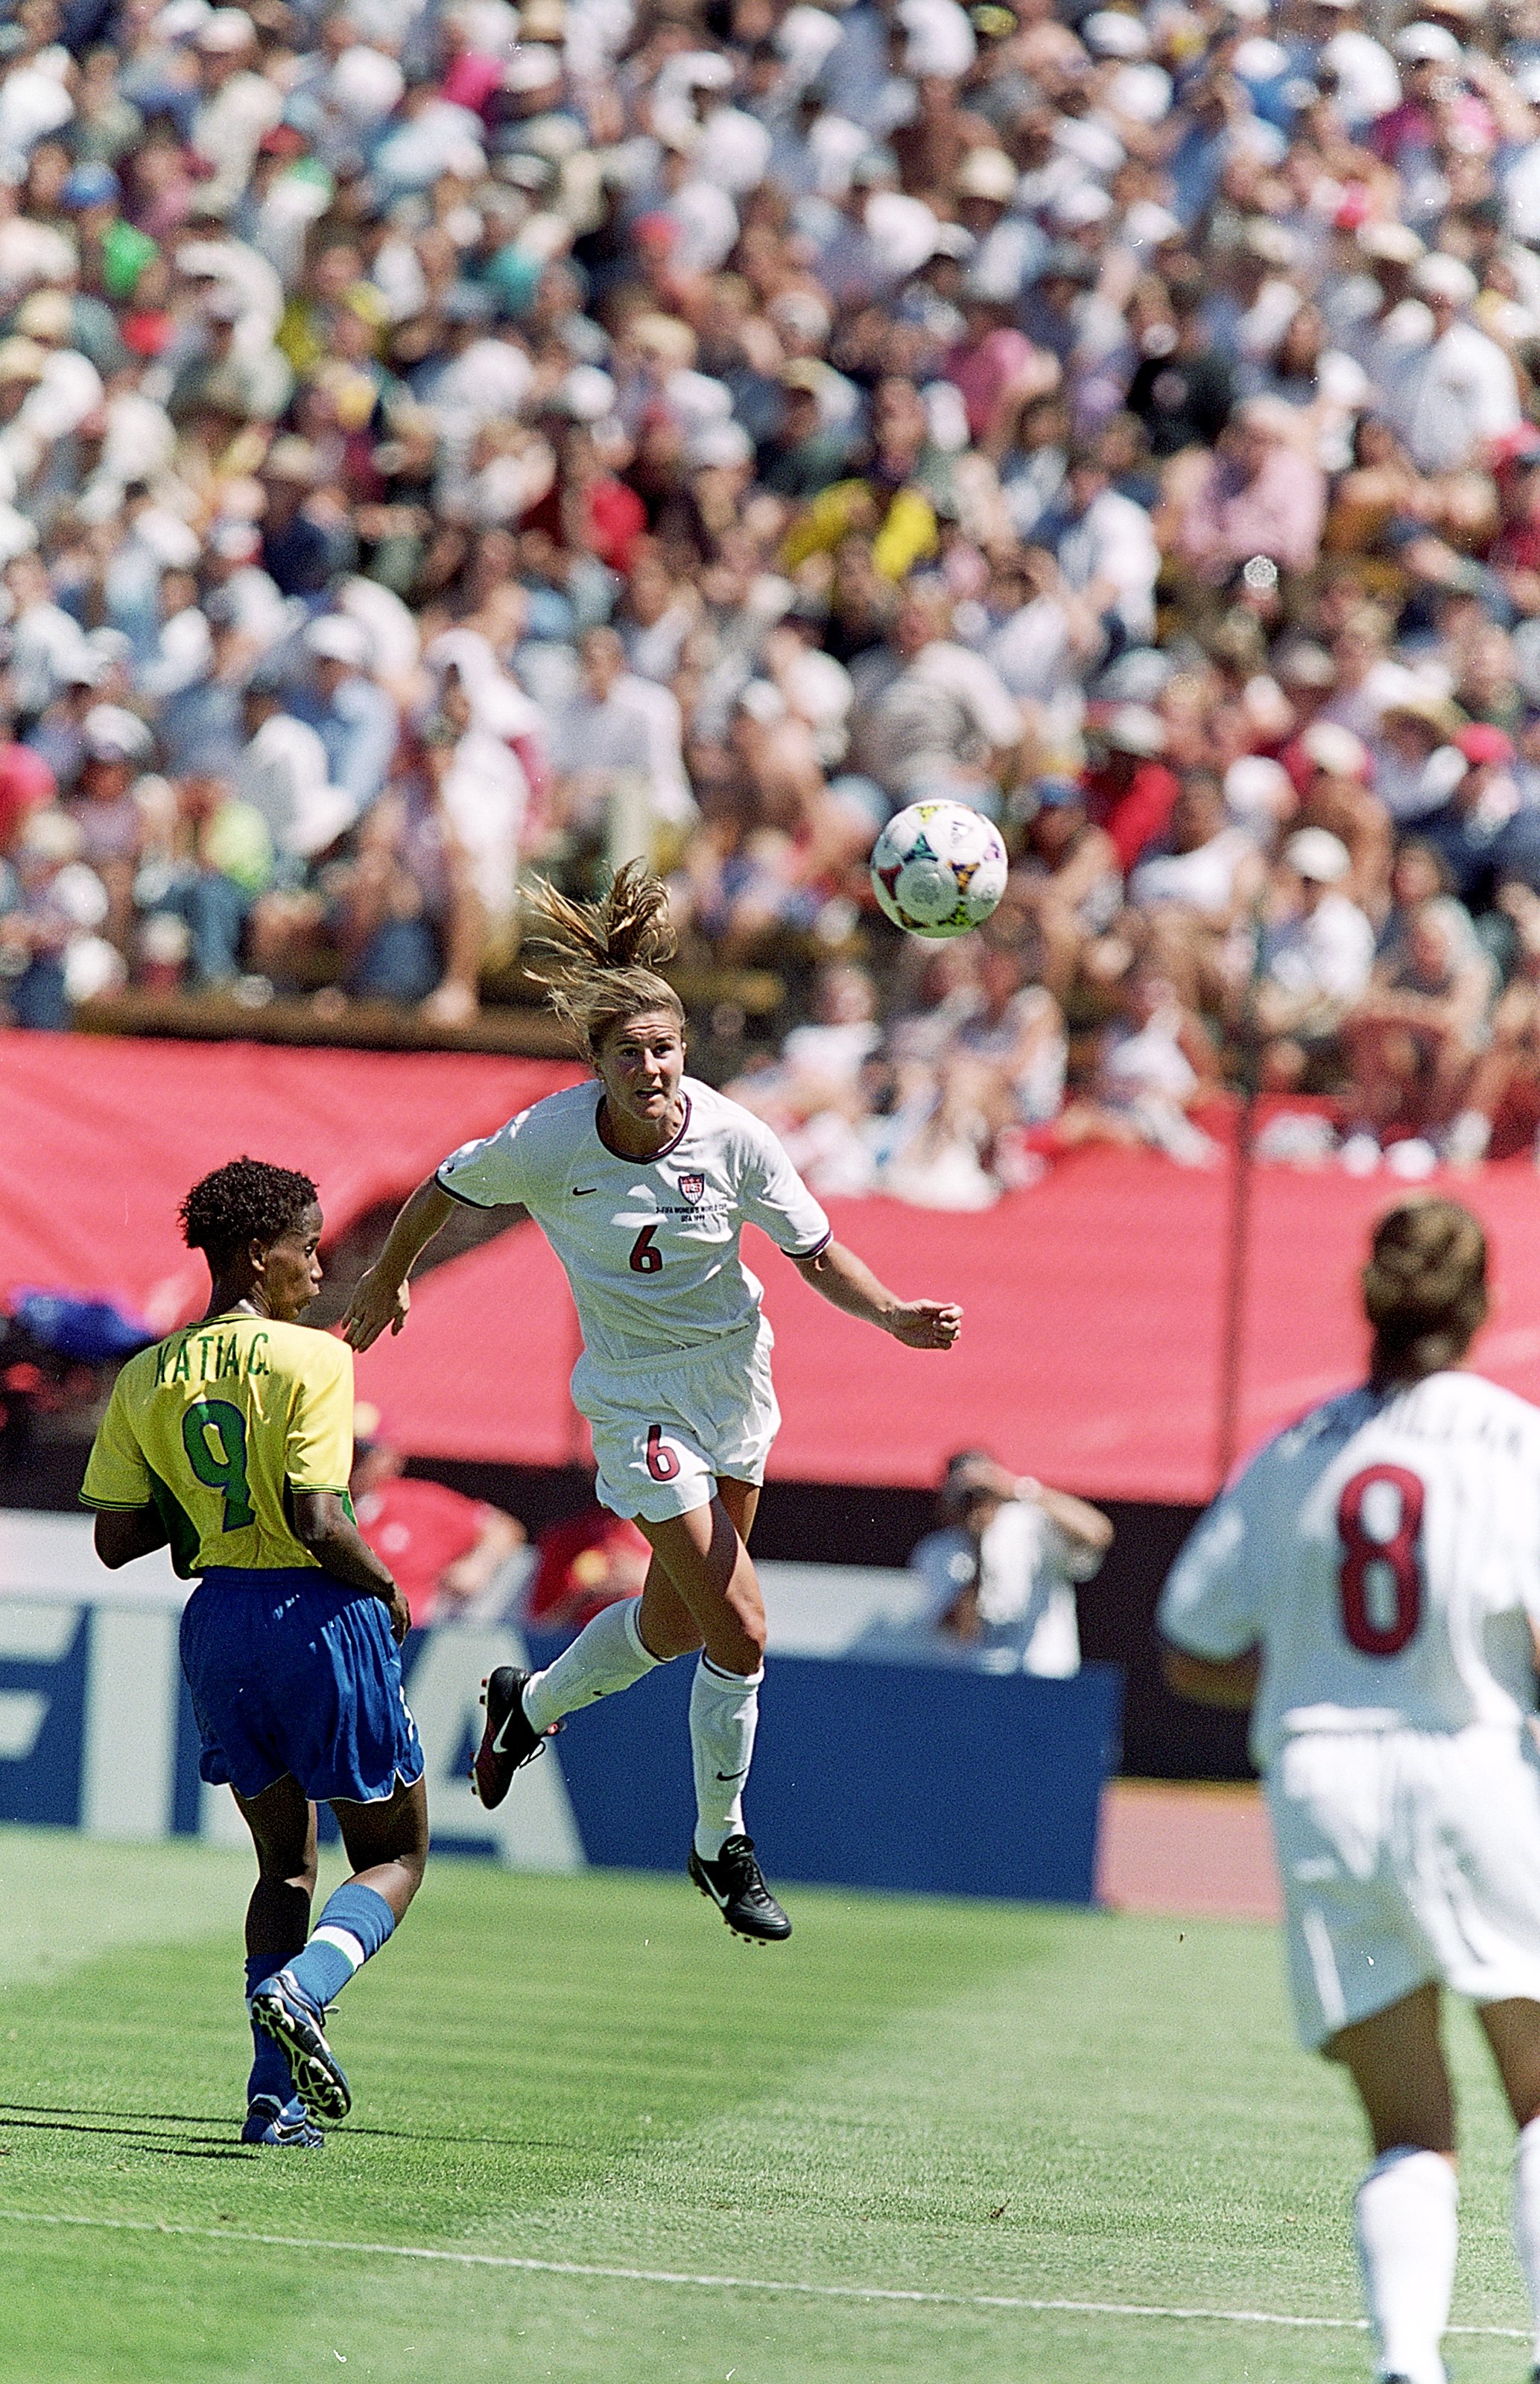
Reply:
x=736 y=1885
x=509 y=1741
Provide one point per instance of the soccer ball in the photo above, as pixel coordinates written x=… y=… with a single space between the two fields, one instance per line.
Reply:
x=939 y=869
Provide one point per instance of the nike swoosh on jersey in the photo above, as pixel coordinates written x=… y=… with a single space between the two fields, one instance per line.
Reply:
x=734 y=1775
x=581 y=1191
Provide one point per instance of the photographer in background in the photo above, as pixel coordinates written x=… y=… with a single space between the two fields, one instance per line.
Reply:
x=999 y=1576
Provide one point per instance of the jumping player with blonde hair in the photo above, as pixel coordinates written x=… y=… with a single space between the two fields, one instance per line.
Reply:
x=1370 y=1588
x=643 y=1192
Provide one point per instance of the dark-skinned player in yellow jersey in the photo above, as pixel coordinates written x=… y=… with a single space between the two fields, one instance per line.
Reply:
x=232 y=1440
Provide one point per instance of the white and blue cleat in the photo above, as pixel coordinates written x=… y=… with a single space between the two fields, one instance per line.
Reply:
x=268 y=2121
x=281 y=2009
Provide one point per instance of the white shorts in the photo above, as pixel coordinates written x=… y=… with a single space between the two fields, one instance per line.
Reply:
x=664 y=1429
x=1407 y=1856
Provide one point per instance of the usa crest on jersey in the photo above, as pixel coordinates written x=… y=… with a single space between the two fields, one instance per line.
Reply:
x=693 y=1187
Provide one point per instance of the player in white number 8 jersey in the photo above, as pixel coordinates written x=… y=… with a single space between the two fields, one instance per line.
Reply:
x=1370 y=1587
x=642 y=1186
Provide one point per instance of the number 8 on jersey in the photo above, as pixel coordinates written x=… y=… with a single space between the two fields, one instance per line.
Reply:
x=1381 y=1578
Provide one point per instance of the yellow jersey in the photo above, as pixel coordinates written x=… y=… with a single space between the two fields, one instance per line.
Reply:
x=217 y=1426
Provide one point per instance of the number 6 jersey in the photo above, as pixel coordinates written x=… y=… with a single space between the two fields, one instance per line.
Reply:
x=1383 y=1554
x=215 y=1426
x=649 y=1246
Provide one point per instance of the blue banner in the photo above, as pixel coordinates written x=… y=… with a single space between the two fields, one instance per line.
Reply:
x=880 y=1775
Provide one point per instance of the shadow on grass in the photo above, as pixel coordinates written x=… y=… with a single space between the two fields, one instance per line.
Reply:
x=80 y=2120
x=209 y=2147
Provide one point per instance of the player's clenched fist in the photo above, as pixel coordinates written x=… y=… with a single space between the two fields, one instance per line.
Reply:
x=926 y=1324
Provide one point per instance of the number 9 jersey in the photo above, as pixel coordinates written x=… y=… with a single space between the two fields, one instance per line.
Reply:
x=1384 y=1554
x=216 y=1427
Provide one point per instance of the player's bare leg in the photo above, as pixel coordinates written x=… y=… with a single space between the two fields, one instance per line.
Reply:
x=1513 y=2033
x=702 y=1589
x=282 y=1823
x=619 y=1646
x=387 y=1843
x=1404 y=2210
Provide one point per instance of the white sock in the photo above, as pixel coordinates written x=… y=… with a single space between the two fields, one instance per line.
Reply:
x=606 y=1656
x=1406 y=2217
x=347 y=1945
x=1526 y=2217
x=723 y=1710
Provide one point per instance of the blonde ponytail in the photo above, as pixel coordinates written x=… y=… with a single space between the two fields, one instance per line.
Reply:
x=605 y=956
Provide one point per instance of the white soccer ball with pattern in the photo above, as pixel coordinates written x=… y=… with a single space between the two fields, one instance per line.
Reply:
x=939 y=869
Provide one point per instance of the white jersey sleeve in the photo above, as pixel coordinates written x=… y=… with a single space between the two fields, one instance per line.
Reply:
x=1209 y=1604
x=494 y=1173
x=774 y=1197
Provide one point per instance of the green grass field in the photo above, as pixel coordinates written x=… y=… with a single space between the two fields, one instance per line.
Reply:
x=960 y=2100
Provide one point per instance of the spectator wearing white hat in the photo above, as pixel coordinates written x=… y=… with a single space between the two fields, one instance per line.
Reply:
x=1429 y=58
x=117 y=746
x=1316 y=952
x=356 y=721
x=238 y=105
x=1007 y=246
x=1331 y=770
x=241 y=591
x=1129 y=790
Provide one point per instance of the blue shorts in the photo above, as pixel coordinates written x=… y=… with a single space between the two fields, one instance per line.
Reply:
x=293 y=1671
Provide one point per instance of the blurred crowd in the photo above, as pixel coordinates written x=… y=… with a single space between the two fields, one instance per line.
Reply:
x=443 y=438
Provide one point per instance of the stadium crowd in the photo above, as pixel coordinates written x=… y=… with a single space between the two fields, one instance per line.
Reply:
x=441 y=440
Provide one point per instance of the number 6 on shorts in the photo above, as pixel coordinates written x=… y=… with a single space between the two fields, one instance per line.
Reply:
x=662 y=1464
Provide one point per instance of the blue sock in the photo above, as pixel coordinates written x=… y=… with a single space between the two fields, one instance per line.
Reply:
x=270 y=2066
x=353 y=1924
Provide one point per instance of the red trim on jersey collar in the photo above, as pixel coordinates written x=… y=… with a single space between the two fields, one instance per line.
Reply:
x=630 y=1157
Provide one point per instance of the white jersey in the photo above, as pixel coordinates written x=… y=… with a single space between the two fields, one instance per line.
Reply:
x=1385 y=1557
x=649 y=1246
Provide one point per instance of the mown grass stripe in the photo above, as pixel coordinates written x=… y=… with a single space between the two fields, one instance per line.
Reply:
x=706 y=2282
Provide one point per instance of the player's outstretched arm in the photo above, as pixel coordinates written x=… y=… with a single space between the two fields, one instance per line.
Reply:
x=381 y=1296
x=847 y=1281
